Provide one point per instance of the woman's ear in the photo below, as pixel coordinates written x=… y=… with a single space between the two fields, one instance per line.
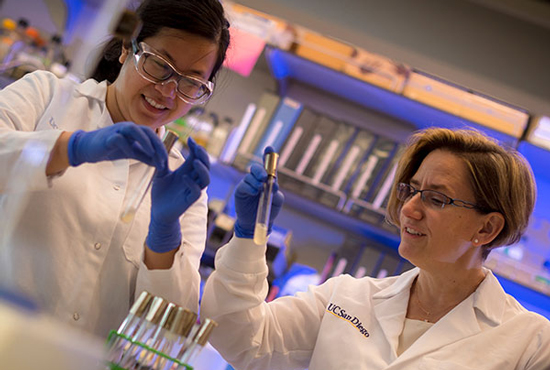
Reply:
x=492 y=226
x=123 y=55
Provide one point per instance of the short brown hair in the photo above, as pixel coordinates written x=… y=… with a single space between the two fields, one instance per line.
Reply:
x=501 y=178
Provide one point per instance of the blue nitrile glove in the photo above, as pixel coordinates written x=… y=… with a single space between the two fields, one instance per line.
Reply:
x=118 y=141
x=173 y=192
x=247 y=197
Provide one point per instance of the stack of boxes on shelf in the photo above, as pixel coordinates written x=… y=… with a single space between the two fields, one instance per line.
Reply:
x=335 y=163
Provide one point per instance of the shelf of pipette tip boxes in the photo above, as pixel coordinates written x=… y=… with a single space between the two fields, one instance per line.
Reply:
x=158 y=335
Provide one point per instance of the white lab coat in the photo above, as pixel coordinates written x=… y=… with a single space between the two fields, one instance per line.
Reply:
x=352 y=324
x=70 y=251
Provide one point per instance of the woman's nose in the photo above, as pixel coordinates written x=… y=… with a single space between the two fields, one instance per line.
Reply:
x=412 y=207
x=168 y=88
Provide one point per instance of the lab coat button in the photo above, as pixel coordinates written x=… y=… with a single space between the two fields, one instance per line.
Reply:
x=76 y=316
x=116 y=187
x=97 y=246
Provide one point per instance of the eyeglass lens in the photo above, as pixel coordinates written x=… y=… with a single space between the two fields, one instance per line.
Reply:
x=431 y=197
x=158 y=69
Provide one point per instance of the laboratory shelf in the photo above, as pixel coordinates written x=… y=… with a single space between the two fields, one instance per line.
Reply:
x=225 y=178
x=287 y=67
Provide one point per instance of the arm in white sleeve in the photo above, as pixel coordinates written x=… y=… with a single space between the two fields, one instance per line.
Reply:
x=22 y=105
x=251 y=333
x=539 y=355
x=180 y=284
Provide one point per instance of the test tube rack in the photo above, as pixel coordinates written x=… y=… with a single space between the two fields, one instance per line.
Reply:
x=171 y=363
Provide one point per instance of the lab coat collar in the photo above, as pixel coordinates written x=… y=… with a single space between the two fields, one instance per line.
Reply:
x=403 y=283
x=490 y=298
x=390 y=307
x=92 y=89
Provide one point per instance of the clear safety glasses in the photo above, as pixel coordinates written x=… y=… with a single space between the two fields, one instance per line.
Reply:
x=432 y=198
x=154 y=68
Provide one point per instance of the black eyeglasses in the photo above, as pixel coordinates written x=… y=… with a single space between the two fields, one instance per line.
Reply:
x=432 y=198
x=154 y=68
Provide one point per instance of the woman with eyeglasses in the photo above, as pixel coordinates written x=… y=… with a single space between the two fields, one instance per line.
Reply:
x=456 y=196
x=71 y=252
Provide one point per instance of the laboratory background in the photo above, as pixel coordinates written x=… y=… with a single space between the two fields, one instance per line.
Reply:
x=335 y=87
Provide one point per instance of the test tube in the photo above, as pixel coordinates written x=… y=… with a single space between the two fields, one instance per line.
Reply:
x=145 y=331
x=129 y=326
x=264 y=205
x=176 y=338
x=144 y=184
x=155 y=341
x=199 y=340
x=159 y=340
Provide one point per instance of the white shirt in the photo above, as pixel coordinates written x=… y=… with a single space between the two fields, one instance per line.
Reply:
x=70 y=251
x=349 y=323
x=412 y=330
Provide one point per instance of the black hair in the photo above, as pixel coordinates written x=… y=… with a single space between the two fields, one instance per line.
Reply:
x=205 y=18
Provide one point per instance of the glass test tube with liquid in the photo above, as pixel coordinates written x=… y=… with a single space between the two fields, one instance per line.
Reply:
x=135 y=199
x=266 y=197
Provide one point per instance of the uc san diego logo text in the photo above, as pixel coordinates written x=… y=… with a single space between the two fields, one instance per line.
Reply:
x=353 y=320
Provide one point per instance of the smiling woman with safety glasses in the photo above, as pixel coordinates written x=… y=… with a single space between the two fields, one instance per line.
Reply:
x=72 y=253
x=153 y=67
x=456 y=196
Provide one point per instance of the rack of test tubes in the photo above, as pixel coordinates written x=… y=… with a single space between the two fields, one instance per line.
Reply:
x=157 y=335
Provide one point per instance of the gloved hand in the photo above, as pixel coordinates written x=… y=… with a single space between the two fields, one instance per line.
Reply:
x=118 y=141
x=172 y=193
x=247 y=197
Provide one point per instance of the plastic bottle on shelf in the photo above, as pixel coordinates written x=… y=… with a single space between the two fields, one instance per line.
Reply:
x=219 y=136
x=54 y=58
x=7 y=37
x=27 y=58
x=19 y=40
x=204 y=127
x=184 y=127
x=54 y=51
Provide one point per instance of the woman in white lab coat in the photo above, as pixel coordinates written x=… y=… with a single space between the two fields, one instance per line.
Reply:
x=456 y=195
x=69 y=249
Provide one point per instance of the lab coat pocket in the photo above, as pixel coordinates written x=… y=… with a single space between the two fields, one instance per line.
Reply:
x=450 y=364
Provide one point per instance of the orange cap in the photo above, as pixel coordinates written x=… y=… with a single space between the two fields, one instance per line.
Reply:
x=32 y=33
x=9 y=24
